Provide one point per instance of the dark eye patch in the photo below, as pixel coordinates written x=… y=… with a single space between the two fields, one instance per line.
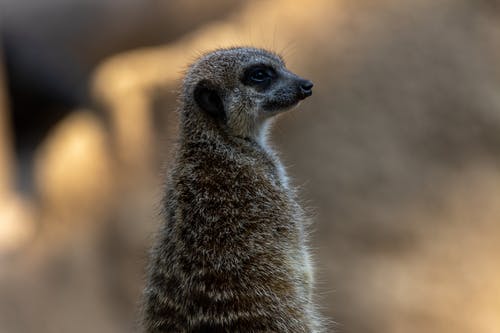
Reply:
x=259 y=76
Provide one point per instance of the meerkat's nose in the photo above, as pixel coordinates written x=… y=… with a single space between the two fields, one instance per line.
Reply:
x=306 y=88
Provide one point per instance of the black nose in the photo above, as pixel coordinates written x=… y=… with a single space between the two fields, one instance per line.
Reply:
x=306 y=88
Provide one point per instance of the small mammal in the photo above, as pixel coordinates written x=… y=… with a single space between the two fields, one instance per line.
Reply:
x=231 y=255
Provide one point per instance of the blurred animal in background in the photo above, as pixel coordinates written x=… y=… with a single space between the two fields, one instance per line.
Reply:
x=231 y=255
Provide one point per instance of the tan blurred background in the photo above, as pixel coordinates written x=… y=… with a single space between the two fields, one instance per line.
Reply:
x=397 y=153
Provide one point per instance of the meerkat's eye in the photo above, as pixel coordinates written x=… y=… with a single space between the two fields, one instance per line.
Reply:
x=259 y=75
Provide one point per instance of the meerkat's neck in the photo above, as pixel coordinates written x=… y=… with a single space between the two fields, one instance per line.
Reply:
x=262 y=133
x=195 y=127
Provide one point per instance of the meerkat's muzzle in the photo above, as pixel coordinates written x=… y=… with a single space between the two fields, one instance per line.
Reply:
x=305 y=89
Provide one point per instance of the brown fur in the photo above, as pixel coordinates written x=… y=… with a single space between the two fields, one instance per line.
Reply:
x=231 y=255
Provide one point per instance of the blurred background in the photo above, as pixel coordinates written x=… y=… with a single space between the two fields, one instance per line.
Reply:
x=397 y=153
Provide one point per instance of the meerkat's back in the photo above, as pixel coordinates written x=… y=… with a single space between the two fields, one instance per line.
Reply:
x=231 y=255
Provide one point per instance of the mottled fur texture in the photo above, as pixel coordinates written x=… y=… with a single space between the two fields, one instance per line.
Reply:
x=231 y=255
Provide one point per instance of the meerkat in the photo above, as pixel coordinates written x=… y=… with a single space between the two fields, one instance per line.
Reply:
x=231 y=255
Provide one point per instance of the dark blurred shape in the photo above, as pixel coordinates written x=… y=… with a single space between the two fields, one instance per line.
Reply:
x=52 y=46
x=44 y=85
x=6 y=163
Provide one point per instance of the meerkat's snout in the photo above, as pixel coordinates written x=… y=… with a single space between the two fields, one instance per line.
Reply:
x=305 y=89
x=288 y=91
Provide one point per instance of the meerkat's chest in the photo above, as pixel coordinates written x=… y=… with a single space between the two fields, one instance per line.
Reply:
x=273 y=169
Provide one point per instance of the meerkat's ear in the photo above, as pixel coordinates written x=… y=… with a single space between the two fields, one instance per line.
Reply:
x=209 y=100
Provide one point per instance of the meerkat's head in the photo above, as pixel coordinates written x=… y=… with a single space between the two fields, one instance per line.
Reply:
x=240 y=88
